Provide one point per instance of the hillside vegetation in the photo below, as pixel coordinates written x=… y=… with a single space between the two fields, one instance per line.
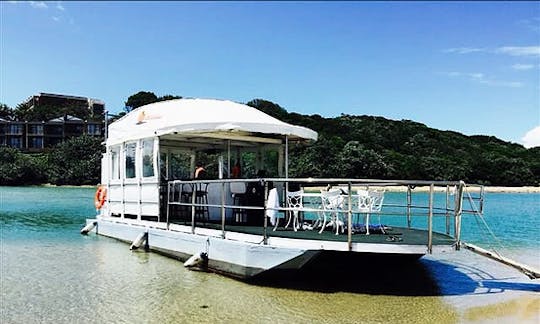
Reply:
x=376 y=147
x=348 y=146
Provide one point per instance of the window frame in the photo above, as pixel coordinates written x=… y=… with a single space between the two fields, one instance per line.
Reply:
x=134 y=158
x=146 y=143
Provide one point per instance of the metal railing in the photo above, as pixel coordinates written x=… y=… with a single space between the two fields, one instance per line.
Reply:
x=191 y=205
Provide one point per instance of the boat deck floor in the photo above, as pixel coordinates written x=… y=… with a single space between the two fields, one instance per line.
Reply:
x=392 y=235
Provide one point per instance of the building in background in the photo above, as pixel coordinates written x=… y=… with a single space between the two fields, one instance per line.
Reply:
x=38 y=135
x=88 y=107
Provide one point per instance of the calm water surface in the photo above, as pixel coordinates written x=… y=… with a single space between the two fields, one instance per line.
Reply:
x=50 y=273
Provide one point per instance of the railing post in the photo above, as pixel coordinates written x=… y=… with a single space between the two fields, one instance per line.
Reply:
x=223 y=209
x=349 y=217
x=168 y=202
x=265 y=235
x=481 y=209
x=458 y=208
x=446 y=209
x=430 y=220
x=193 y=195
x=409 y=201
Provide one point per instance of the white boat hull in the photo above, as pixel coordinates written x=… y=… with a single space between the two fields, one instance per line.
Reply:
x=235 y=258
x=241 y=255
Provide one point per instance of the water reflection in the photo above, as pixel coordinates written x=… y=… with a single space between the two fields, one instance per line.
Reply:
x=469 y=278
x=100 y=280
x=374 y=277
x=50 y=273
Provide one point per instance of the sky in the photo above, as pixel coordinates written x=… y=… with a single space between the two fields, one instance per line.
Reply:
x=470 y=67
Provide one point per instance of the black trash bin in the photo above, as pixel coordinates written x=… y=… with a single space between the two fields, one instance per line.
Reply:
x=255 y=197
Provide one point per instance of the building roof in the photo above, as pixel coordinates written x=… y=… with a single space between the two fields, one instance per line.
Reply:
x=53 y=95
x=201 y=116
x=66 y=118
x=66 y=97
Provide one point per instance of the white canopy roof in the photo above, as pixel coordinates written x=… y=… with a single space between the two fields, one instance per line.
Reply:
x=192 y=116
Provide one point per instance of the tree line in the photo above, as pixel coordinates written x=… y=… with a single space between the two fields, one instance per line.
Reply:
x=76 y=161
x=379 y=148
x=349 y=146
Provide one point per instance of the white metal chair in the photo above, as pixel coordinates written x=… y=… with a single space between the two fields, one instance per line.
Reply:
x=363 y=207
x=377 y=199
x=332 y=203
x=294 y=201
x=369 y=202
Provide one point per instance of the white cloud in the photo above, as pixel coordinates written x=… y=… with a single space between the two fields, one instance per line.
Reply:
x=498 y=83
x=519 y=50
x=464 y=50
x=476 y=76
x=38 y=4
x=57 y=19
x=531 y=24
x=482 y=79
x=532 y=138
x=59 y=6
x=523 y=67
x=507 y=50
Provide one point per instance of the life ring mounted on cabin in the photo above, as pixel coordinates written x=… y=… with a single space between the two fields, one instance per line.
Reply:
x=101 y=197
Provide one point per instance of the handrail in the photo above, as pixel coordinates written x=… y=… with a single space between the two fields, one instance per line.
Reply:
x=174 y=197
x=335 y=181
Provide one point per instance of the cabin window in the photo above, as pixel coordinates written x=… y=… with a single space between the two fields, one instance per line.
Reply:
x=130 y=160
x=270 y=163
x=179 y=166
x=249 y=164
x=163 y=165
x=115 y=163
x=148 y=157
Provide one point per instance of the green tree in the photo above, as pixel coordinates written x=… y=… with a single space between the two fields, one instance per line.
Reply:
x=76 y=161
x=5 y=112
x=139 y=99
x=17 y=168
x=358 y=162
x=269 y=108
x=320 y=159
x=168 y=97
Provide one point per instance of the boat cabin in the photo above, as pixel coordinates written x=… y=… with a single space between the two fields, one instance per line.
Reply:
x=167 y=141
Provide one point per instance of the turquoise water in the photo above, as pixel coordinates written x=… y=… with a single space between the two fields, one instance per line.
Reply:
x=50 y=273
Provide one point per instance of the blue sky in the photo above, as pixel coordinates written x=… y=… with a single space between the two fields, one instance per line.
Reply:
x=468 y=67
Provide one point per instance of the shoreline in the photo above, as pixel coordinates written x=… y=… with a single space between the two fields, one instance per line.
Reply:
x=50 y=185
x=488 y=189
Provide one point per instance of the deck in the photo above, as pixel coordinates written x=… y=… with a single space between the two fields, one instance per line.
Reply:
x=393 y=235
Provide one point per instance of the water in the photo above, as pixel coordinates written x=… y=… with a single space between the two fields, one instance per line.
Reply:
x=52 y=274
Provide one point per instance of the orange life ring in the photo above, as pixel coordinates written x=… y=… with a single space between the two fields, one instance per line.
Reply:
x=101 y=197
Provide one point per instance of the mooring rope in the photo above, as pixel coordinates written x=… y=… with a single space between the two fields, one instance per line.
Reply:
x=479 y=215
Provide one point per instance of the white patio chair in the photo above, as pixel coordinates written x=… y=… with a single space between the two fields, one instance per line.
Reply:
x=332 y=203
x=364 y=204
x=377 y=199
x=294 y=201
x=369 y=202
